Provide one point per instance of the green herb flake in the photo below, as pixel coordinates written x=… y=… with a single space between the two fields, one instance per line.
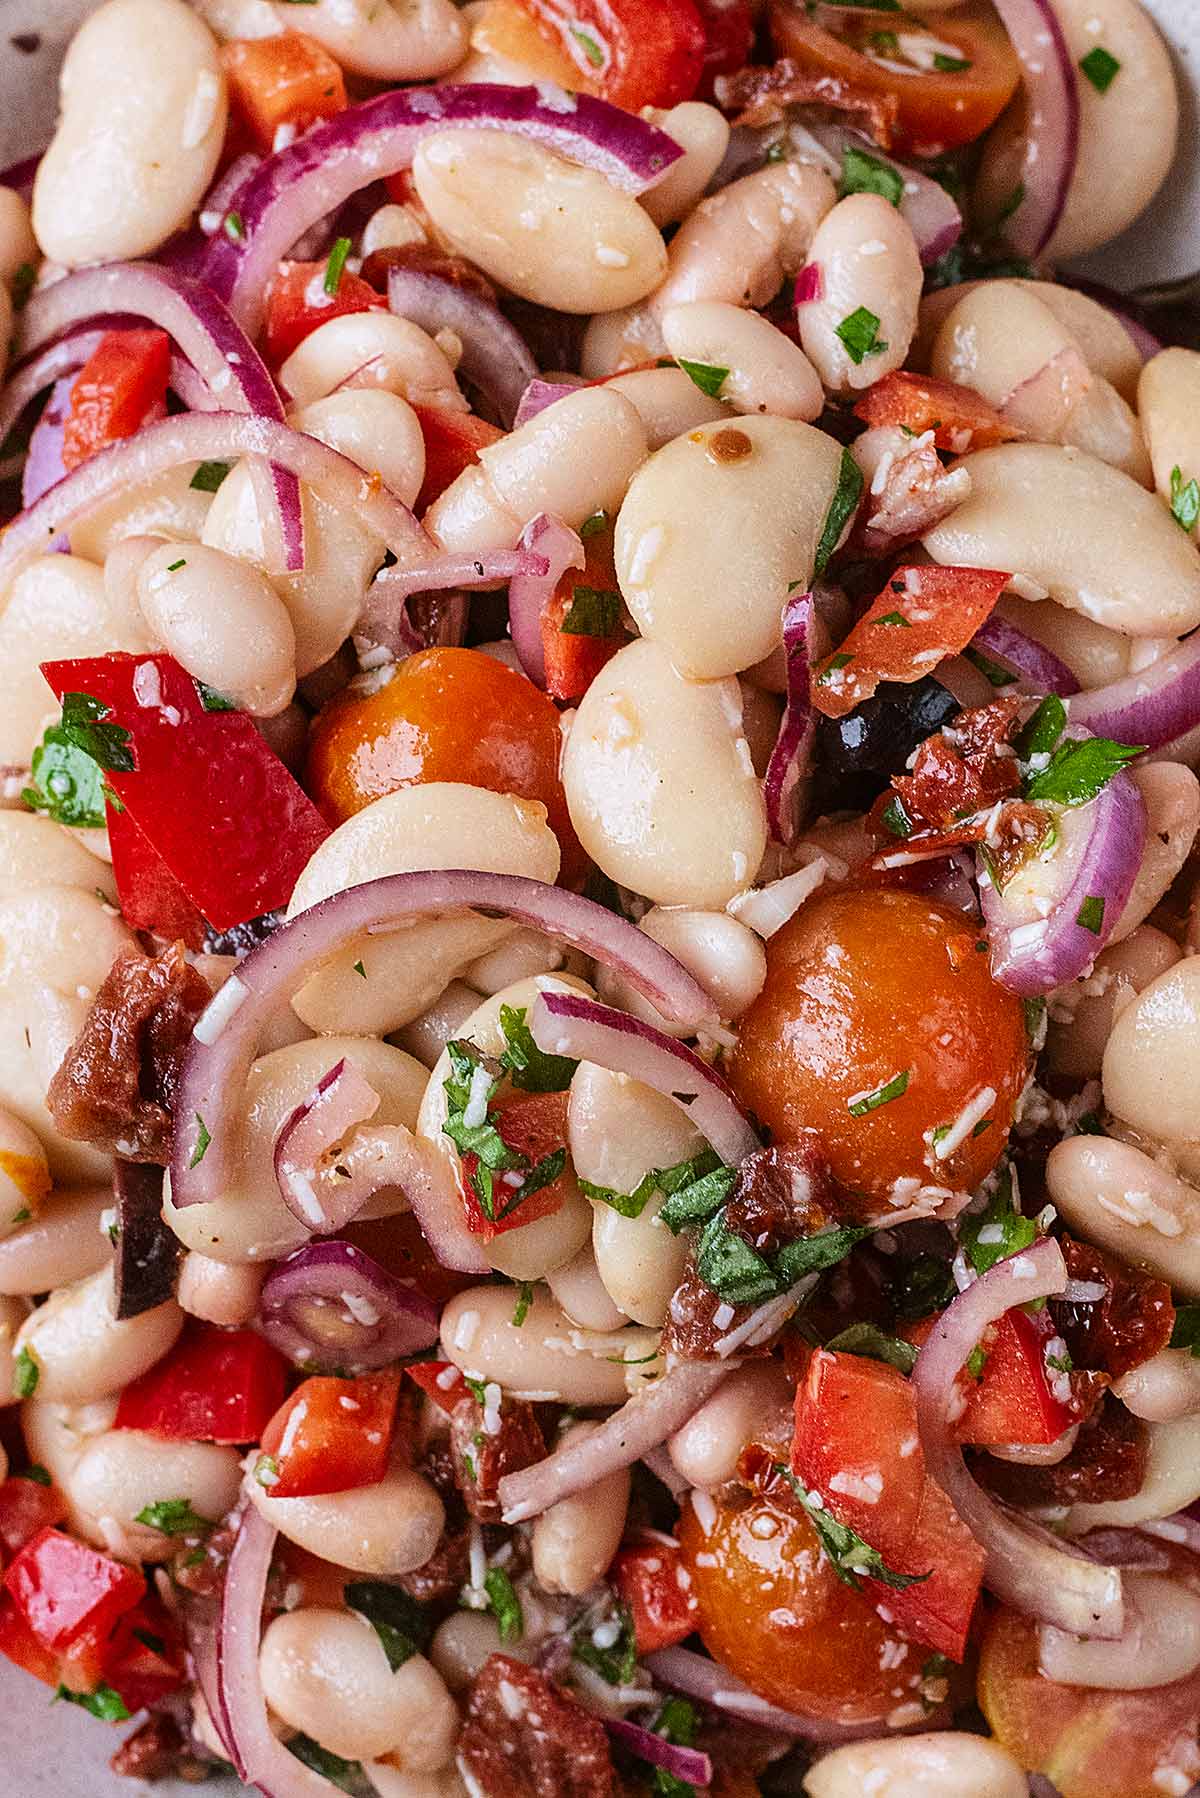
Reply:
x=1035 y=1016
x=1088 y=1124
x=842 y=508
x=104 y=1703
x=67 y=764
x=895 y=819
x=524 y=1300
x=677 y=1722
x=1080 y=769
x=173 y=1517
x=874 y=1343
x=544 y=1174
x=234 y=227
x=26 y=1374
x=1101 y=68
x=1185 y=500
x=833 y=666
x=266 y=1472
x=617 y=1664
x=950 y=65
x=174 y=567
x=593 y=612
x=884 y=43
x=1090 y=915
x=991 y=671
x=705 y=375
x=697 y=1199
x=360 y=970
x=998 y=1231
x=976 y=1362
x=591 y=48
x=1043 y=730
x=895 y=1088
x=895 y=618
x=212 y=701
x=852 y=1559
x=203 y=1139
x=863 y=173
x=402 y=1625
x=592 y=526
x=35 y=1472
x=813 y=1254
x=777 y=152
x=859 y=333
x=336 y=265
x=735 y=1271
x=1185 y=1333
x=504 y=1603
x=22 y=1216
x=209 y=475
x=347 y=1776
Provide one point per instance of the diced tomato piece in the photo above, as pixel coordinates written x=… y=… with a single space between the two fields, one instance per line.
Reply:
x=232 y=825
x=123 y=379
x=286 y=80
x=19 y=1645
x=922 y=616
x=652 y=1580
x=959 y=418
x=856 y=1443
x=728 y=34
x=297 y=302
x=533 y=1125
x=27 y=1508
x=65 y=1589
x=575 y=656
x=633 y=53
x=453 y=441
x=1012 y=1399
x=937 y=1609
x=214 y=1386
x=151 y=898
x=332 y=1435
x=143 y=1660
x=440 y=1381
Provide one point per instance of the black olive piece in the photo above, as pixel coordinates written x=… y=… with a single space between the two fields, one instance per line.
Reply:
x=856 y=756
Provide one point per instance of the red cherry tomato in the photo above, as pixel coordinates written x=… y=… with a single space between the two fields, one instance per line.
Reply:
x=580 y=636
x=634 y=53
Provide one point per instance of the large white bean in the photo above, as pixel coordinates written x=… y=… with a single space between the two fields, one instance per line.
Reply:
x=1169 y=407
x=385 y=1530
x=1163 y=1388
x=1172 y=1481
x=1162 y=1615
x=123 y=1472
x=545 y=228
x=667 y=401
x=707 y=1448
x=869 y=262
x=715 y=530
x=220 y=617
x=427 y=1036
x=766 y=371
x=375 y=350
x=1171 y=794
x=942 y=1765
x=83 y=1351
x=581 y=1292
x=1094 y=653
x=24 y=1177
x=388 y=1781
x=66 y=1242
x=519 y=957
x=437 y=825
x=167 y=504
x=702 y=133
x=34 y=852
x=463 y=1643
x=728 y=960
x=683 y=831
x=250 y=1221
x=1076 y=1047
x=1089 y=535
x=1117 y=1196
x=218 y=1293
x=1152 y=1061
x=57 y=1436
x=143 y=108
x=12 y=1315
x=388 y=42
x=546 y=1356
x=574 y=1541
x=744 y=242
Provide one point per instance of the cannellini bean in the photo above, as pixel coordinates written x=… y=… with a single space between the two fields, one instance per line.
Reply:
x=574 y=1541
x=946 y=1764
x=24 y=1179
x=1163 y=1388
x=390 y=41
x=1106 y=426
x=520 y=957
x=667 y=401
x=83 y=1351
x=744 y=242
x=707 y=1448
x=1169 y=408
x=1094 y=539
x=715 y=529
x=221 y=618
x=389 y=1782
x=218 y=1293
x=545 y=228
x=702 y=133
x=58 y=1435
x=122 y=1472
x=1094 y=653
x=581 y=1292
x=767 y=372
x=1171 y=794
x=34 y=851
x=682 y=831
x=386 y=1529
x=1076 y=1047
x=618 y=1130
x=547 y=1356
x=869 y=260
x=250 y=1221
x=18 y=245
x=1108 y=349
x=1165 y=1615
x=463 y=1643
x=168 y=505
x=66 y=1242
x=142 y=120
x=325 y=1672
x=376 y=428
x=392 y=227
x=1172 y=1481
x=727 y=959
x=437 y=825
x=529 y=1251
x=1152 y=1061
x=13 y=1313
x=373 y=350
x=427 y=1036
x=1117 y=1196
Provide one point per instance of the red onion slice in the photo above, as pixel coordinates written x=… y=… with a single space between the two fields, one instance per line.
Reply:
x=792 y=754
x=640 y=1425
x=495 y=357
x=1094 y=864
x=44 y=466
x=311 y=1192
x=1026 y=1566
x=1051 y=121
x=687 y=1764
x=1158 y=706
x=566 y=1024
x=201 y=1622
x=529 y=593
x=538 y=395
x=29 y=377
x=810 y=284
x=291 y=190
x=683 y=1670
x=1038 y=669
x=226 y=1037
x=930 y=212
x=385 y=625
x=329 y=1306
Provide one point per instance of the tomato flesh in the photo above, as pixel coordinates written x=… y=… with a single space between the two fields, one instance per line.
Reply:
x=633 y=53
x=297 y=303
x=64 y=1589
x=27 y=1508
x=960 y=419
x=214 y=1386
x=124 y=379
x=332 y=1435
x=286 y=80
x=652 y=1580
x=575 y=657
x=1011 y=1400
x=453 y=441
x=533 y=1125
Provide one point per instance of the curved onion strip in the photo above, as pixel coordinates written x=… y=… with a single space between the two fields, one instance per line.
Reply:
x=385 y=624
x=495 y=357
x=647 y=1419
x=205 y=437
x=372 y=1318
x=565 y=1024
x=560 y=548
x=312 y=1193
x=294 y=188
x=792 y=753
x=44 y=466
x=1037 y=668
x=201 y=1622
x=393 y=1156
x=1026 y=1567
x=1042 y=405
x=538 y=395
x=1051 y=121
x=688 y=1764
x=36 y=372
x=226 y=1036
x=683 y=1670
x=931 y=213
x=1157 y=706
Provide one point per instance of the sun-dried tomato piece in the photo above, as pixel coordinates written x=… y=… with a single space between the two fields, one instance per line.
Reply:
x=782 y=1194
x=526 y=1738
x=762 y=96
x=486 y=1444
x=1107 y=1463
x=1120 y=1330
x=964 y=769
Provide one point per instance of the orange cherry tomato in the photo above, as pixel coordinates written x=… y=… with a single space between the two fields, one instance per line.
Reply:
x=939 y=108
x=879 y=1025
x=286 y=80
x=446 y=714
x=633 y=53
x=772 y=1609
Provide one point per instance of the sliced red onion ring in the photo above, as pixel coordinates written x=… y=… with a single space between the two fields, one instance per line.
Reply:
x=201 y=1622
x=529 y=593
x=647 y=1419
x=330 y=1306
x=298 y=185
x=1093 y=867
x=926 y=207
x=147 y=1249
x=215 y=205
x=44 y=466
x=567 y=1024
x=1037 y=668
x=790 y=758
x=1051 y=121
x=1041 y=406
x=227 y=1034
x=495 y=357
x=35 y=373
x=385 y=630
x=1026 y=1566
x=687 y=1764
x=311 y=1192
x=683 y=1670
x=538 y=395
x=1158 y=706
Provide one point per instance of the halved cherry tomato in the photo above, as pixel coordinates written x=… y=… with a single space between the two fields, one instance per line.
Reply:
x=576 y=638
x=26 y=1508
x=123 y=379
x=287 y=80
x=651 y=1578
x=453 y=441
x=1011 y=1400
x=214 y=1386
x=297 y=303
x=65 y=1590
x=633 y=53
x=440 y=1381
x=939 y=109
x=332 y=1435
x=959 y=418
x=728 y=35
x=533 y=1125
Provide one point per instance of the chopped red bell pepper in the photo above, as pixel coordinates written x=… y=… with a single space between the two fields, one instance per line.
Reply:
x=533 y=1125
x=331 y=1435
x=289 y=80
x=453 y=441
x=123 y=379
x=959 y=418
x=27 y=1508
x=150 y=896
x=214 y=1386
x=298 y=301
x=65 y=1590
x=440 y=1381
x=922 y=616
x=633 y=53
x=143 y=1661
x=232 y=825
x=652 y=1580
x=1010 y=1396
x=581 y=624
x=19 y=1645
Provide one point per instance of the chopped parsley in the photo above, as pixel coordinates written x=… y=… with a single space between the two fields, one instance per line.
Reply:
x=592 y=526
x=23 y=281
x=852 y=1559
x=694 y=1188
x=593 y=612
x=1101 y=68
x=1185 y=500
x=741 y=1276
x=347 y=1776
x=1035 y=1016
x=1079 y=770
x=504 y=1603
x=174 y=567
x=266 y=1472
x=991 y=671
x=894 y=618
x=209 y=475
x=998 y=1231
x=1186 y=1331
x=524 y=1300
x=234 y=227
x=706 y=376
x=35 y=1472
x=335 y=267
x=526 y=1065
x=26 y=1374
x=833 y=666
x=360 y=970
x=1042 y=731
x=841 y=509
x=545 y=1173
x=173 y=1517
x=867 y=1339
x=1090 y=915
x=950 y=65
x=591 y=48
x=895 y=819
x=859 y=332
x=976 y=1362
x=1088 y=1124
x=211 y=700
x=677 y=1722
x=616 y=1663
x=104 y=1703
x=69 y=762
x=863 y=173
x=895 y=1088
x=402 y=1625
x=202 y=1141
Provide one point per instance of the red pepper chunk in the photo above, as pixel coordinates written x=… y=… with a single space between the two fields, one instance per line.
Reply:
x=19 y=1645
x=143 y=1661
x=1011 y=1397
x=453 y=441
x=633 y=53
x=651 y=1579
x=533 y=1125
x=215 y=1386
x=123 y=379
x=150 y=896
x=574 y=645
x=26 y=1508
x=297 y=302
x=959 y=418
x=214 y=802
x=440 y=1381
x=331 y=1435
x=65 y=1590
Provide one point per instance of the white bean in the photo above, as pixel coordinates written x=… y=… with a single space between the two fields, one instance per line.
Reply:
x=57 y=1436
x=1076 y=1047
x=1117 y=1196
x=869 y=264
x=1172 y=1481
x=1152 y=1061
x=707 y=1448
x=392 y=227
x=1106 y=426
x=1094 y=653
x=544 y=228
x=702 y=133
x=520 y=957
x=123 y=1472
x=727 y=959
x=221 y=618
x=168 y=504
x=34 y=852
x=1171 y=794
x=463 y=1643
x=83 y=1352
x=427 y=1036
x=715 y=529
x=667 y=401
x=581 y=1292
x=1165 y=1618
x=218 y=1293
x=574 y=1540
x=547 y=1356
x=1089 y=535
x=939 y=1765
x=1169 y=407
x=374 y=350
x=744 y=242
x=1163 y=1388
x=385 y=1530
x=24 y=1177
x=683 y=832
x=66 y=1242
x=389 y=1782
x=391 y=41
x=766 y=371
x=436 y=825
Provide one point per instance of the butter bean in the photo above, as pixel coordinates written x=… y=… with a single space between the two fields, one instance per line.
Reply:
x=941 y=1765
x=574 y=1540
x=869 y=261
x=34 y=851
x=1076 y=1048
x=546 y=1357
x=221 y=618
x=391 y=41
x=702 y=133
x=383 y=1530
x=1152 y=1061
x=1163 y=1388
x=83 y=1352
x=767 y=372
x=1116 y=1196
x=65 y=1243
x=1169 y=407
x=367 y=350
x=123 y=1472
